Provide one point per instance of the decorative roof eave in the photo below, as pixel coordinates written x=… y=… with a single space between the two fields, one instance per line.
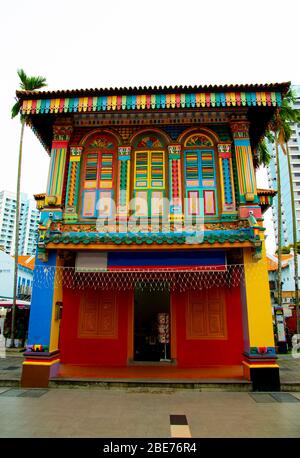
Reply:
x=266 y=87
x=266 y=192
x=266 y=198
x=173 y=100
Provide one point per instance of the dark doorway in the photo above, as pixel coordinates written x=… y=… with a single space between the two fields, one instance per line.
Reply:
x=151 y=324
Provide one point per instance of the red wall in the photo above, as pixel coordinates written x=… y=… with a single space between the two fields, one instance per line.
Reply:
x=92 y=351
x=194 y=353
x=113 y=352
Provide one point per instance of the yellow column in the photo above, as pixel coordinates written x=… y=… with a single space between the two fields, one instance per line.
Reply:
x=257 y=316
x=257 y=291
x=57 y=301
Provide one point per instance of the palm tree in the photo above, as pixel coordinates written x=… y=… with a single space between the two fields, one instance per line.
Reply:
x=27 y=83
x=280 y=132
x=279 y=214
x=290 y=115
x=264 y=158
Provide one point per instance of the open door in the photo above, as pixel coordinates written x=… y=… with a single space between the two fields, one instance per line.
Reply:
x=151 y=325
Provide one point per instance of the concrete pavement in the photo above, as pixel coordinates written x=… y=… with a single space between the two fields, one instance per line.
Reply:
x=131 y=413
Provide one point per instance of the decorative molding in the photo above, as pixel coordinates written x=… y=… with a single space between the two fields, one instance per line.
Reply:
x=262 y=351
x=198 y=140
x=130 y=123
x=100 y=142
x=58 y=227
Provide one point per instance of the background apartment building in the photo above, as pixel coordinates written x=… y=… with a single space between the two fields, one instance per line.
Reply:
x=286 y=209
x=29 y=218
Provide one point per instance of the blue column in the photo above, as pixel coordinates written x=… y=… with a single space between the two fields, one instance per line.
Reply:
x=42 y=301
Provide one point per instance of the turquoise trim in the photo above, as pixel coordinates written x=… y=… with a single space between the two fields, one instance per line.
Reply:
x=208 y=236
x=242 y=142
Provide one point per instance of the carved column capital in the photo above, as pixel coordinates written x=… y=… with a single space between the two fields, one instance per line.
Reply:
x=75 y=152
x=174 y=151
x=224 y=150
x=62 y=131
x=124 y=152
x=240 y=129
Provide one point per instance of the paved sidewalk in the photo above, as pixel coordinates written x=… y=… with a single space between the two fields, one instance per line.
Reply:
x=289 y=369
x=11 y=366
x=121 y=413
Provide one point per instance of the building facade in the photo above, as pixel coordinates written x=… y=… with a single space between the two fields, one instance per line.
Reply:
x=29 y=220
x=151 y=242
x=25 y=276
x=286 y=207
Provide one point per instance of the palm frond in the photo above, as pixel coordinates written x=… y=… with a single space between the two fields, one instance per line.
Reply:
x=31 y=83
x=286 y=131
x=35 y=82
x=23 y=77
x=269 y=136
x=16 y=109
x=263 y=153
x=290 y=97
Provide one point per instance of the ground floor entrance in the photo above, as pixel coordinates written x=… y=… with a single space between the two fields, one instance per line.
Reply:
x=194 y=329
x=152 y=324
x=192 y=308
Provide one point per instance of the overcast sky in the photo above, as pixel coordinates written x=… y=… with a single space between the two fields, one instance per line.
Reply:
x=100 y=43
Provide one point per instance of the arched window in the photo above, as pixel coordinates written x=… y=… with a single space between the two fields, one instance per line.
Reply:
x=99 y=176
x=149 y=175
x=200 y=176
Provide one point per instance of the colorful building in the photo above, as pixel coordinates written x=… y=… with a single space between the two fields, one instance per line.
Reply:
x=151 y=241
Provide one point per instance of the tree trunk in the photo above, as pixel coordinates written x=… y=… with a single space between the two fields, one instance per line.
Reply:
x=13 y=319
x=279 y=300
x=296 y=277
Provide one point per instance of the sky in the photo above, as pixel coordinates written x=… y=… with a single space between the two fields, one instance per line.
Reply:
x=115 y=43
